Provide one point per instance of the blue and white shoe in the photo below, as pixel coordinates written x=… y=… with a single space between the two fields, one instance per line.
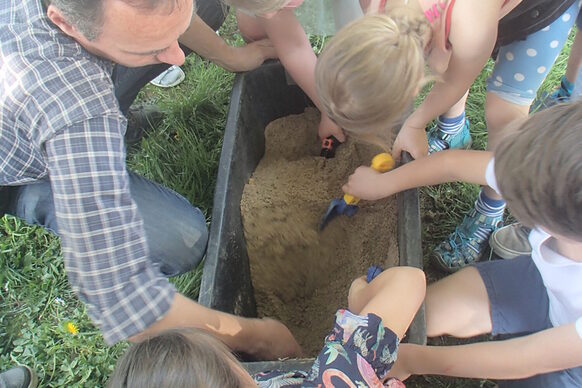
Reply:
x=440 y=141
x=547 y=100
x=468 y=243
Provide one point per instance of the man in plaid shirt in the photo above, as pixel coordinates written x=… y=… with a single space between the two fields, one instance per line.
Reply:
x=64 y=89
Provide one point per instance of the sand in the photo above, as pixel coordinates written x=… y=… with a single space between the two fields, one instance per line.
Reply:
x=301 y=275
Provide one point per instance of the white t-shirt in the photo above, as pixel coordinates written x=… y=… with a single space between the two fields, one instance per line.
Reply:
x=561 y=275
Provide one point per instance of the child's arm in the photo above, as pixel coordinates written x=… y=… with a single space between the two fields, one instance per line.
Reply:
x=473 y=35
x=297 y=56
x=201 y=39
x=441 y=167
x=544 y=352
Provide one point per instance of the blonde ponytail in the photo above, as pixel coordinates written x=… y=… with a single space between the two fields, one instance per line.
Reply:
x=369 y=73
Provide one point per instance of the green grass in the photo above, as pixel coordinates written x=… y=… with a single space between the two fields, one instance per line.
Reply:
x=36 y=302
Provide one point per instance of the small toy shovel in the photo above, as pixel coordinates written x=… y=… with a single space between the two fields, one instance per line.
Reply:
x=348 y=204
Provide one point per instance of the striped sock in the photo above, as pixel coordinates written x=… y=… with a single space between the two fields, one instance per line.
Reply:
x=451 y=125
x=488 y=207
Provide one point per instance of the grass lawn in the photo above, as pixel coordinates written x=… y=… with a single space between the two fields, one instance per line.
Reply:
x=44 y=324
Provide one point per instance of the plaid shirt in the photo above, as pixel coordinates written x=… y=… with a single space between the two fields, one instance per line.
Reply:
x=59 y=118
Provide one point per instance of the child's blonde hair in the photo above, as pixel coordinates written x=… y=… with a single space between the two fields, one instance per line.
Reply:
x=257 y=7
x=176 y=359
x=370 y=72
x=539 y=170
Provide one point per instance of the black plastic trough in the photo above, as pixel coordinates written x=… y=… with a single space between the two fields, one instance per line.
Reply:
x=257 y=98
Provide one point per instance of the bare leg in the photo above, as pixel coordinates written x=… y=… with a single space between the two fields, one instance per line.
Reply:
x=457 y=109
x=395 y=296
x=458 y=305
x=501 y=117
x=575 y=58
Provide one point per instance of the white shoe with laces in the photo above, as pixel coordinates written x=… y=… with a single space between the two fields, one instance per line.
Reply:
x=510 y=241
x=169 y=78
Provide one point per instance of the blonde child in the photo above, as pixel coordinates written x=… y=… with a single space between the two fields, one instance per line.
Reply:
x=538 y=170
x=275 y=20
x=367 y=86
x=359 y=350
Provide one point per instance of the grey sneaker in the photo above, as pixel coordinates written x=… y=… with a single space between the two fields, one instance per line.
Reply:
x=510 y=241
x=18 y=377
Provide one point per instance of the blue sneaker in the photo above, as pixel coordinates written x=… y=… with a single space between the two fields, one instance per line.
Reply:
x=468 y=243
x=439 y=141
x=546 y=100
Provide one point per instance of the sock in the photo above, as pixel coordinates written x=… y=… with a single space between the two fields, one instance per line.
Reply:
x=566 y=88
x=490 y=208
x=451 y=125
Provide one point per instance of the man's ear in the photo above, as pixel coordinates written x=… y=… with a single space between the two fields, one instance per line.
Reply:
x=56 y=16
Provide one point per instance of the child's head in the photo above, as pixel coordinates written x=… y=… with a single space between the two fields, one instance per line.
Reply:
x=258 y=7
x=369 y=73
x=539 y=170
x=178 y=359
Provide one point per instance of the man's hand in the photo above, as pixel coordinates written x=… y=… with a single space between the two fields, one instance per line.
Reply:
x=363 y=184
x=411 y=138
x=328 y=128
x=205 y=42
x=250 y=56
x=274 y=341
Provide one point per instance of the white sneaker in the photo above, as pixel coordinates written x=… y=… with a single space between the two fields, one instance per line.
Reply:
x=169 y=78
x=511 y=241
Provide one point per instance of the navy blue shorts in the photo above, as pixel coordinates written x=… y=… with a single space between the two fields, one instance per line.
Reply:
x=519 y=306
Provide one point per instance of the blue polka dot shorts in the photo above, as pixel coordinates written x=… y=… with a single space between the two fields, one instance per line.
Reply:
x=522 y=66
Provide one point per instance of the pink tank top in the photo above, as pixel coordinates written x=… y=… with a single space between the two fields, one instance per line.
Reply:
x=438 y=13
x=294 y=3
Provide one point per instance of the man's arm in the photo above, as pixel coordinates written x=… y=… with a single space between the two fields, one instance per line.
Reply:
x=201 y=39
x=543 y=352
x=265 y=339
x=106 y=254
x=441 y=167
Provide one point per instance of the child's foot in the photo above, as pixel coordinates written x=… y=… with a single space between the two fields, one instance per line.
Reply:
x=561 y=95
x=547 y=100
x=438 y=140
x=467 y=243
x=511 y=241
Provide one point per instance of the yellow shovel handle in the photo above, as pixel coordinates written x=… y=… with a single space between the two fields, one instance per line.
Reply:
x=382 y=162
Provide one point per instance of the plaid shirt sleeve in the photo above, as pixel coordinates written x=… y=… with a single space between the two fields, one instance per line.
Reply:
x=59 y=117
x=102 y=234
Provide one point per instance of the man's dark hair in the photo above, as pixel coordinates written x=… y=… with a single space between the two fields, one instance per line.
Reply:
x=87 y=15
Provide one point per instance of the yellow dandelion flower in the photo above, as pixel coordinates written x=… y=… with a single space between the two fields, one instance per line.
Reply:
x=72 y=328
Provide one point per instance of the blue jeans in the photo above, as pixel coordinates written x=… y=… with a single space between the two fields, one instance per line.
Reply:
x=176 y=231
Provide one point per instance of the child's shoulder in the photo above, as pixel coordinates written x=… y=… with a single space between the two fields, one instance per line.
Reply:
x=473 y=24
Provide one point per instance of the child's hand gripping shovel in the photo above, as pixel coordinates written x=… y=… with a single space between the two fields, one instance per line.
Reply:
x=348 y=204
